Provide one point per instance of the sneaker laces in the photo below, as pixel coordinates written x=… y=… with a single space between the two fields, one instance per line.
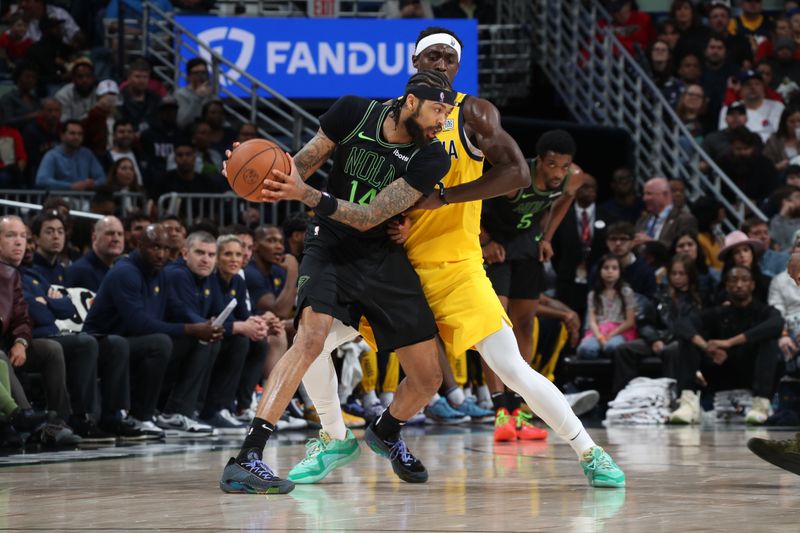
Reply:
x=524 y=419
x=602 y=461
x=400 y=450
x=260 y=469
x=501 y=418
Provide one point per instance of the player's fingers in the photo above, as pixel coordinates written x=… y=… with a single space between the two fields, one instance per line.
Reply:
x=280 y=175
x=228 y=154
x=236 y=145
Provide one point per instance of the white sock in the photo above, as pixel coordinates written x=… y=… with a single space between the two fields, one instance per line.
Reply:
x=434 y=399
x=456 y=396
x=501 y=353
x=483 y=394
x=369 y=398
x=322 y=386
x=387 y=398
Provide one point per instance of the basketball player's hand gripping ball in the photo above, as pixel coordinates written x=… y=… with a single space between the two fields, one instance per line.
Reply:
x=284 y=186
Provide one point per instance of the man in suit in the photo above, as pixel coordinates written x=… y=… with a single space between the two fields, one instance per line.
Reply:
x=579 y=242
x=660 y=221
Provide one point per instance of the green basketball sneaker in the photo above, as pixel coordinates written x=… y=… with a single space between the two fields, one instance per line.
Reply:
x=600 y=469
x=323 y=455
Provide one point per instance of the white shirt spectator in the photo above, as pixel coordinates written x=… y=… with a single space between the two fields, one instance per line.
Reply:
x=784 y=295
x=764 y=120
x=73 y=105
x=70 y=27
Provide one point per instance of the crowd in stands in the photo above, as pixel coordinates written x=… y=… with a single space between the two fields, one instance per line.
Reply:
x=644 y=273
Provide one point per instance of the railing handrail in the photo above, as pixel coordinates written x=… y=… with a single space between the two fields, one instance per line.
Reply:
x=616 y=52
x=39 y=207
x=242 y=74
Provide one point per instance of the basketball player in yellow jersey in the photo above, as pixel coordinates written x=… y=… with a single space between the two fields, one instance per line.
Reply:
x=444 y=248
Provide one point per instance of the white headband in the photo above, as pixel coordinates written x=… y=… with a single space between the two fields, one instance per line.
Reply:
x=439 y=38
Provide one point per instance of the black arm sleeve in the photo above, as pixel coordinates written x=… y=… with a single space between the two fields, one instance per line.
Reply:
x=427 y=167
x=769 y=328
x=343 y=116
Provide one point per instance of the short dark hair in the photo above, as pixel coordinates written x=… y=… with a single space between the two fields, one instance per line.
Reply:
x=176 y=218
x=204 y=225
x=123 y=122
x=101 y=195
x=556 y=141
x=54 y=202
x=24 y=67
x=295 y=222
x=752 y=222
x=73 y=122
x=140 y=64
x=782 y=193
x=209 y=104
x=744 y=136
x=261 y=231
x=236 y=229
x=432 y=30
x=717 y=37
x=194 y=62
x=183 y=141
x=129 y=220
x=45 y=216
x=728 y=271
x=622 y=227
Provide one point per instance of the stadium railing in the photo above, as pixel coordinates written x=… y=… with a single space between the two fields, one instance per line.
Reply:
x=602 y=84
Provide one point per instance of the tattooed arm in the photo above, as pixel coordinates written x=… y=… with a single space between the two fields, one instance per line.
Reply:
x=394 y=199
x=314 y=154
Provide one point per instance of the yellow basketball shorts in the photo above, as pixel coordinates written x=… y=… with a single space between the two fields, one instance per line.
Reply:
x=463 y=302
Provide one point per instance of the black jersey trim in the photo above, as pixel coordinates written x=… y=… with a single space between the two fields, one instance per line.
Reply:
x=361 y=123
x=462 y=134
x=378 y=132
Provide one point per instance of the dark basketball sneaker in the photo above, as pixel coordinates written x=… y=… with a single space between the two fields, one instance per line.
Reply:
x=782 y=453
x=405 y=465
x=252 y=477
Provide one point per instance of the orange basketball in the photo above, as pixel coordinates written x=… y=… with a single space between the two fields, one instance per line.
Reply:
x=251 y=163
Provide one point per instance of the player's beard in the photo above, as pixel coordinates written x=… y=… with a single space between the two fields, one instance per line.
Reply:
x=415 y=130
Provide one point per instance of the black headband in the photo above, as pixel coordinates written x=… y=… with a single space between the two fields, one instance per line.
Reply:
x=443 y=96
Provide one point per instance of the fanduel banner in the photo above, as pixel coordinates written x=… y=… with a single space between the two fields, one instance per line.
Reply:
x=308 y=58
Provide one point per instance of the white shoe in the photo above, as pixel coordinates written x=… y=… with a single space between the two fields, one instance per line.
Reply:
x=147 y=427
x=287 y=422
x=227 y=415
x=177 y=425
x=583 y=402
x=688 y=411
x=247 y=416
x=759 y=412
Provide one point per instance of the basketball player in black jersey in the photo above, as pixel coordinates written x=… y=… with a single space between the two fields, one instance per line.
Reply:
x=386 y=158
x=516 y=231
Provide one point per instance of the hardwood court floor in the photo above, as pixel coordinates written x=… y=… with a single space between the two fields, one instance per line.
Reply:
x=679 y=479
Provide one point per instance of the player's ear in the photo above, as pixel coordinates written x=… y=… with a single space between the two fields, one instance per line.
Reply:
x=412 y=102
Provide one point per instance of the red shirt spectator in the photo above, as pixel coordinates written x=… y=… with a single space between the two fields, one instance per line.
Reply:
x=14 y=42
x=631 y=26
x=12 y=149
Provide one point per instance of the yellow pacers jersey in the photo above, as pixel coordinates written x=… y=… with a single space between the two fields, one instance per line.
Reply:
x=450 y=233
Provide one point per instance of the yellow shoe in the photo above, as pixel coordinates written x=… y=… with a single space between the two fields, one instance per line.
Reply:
x=352 y=421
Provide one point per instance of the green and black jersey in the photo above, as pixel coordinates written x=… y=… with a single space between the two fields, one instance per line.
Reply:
x=515 y=222
x=364 y=162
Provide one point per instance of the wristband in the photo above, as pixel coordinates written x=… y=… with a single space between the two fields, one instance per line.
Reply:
x=440 y=186
x=327 y=205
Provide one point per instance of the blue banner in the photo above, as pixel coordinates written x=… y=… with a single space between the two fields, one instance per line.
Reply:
x=328 y=58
